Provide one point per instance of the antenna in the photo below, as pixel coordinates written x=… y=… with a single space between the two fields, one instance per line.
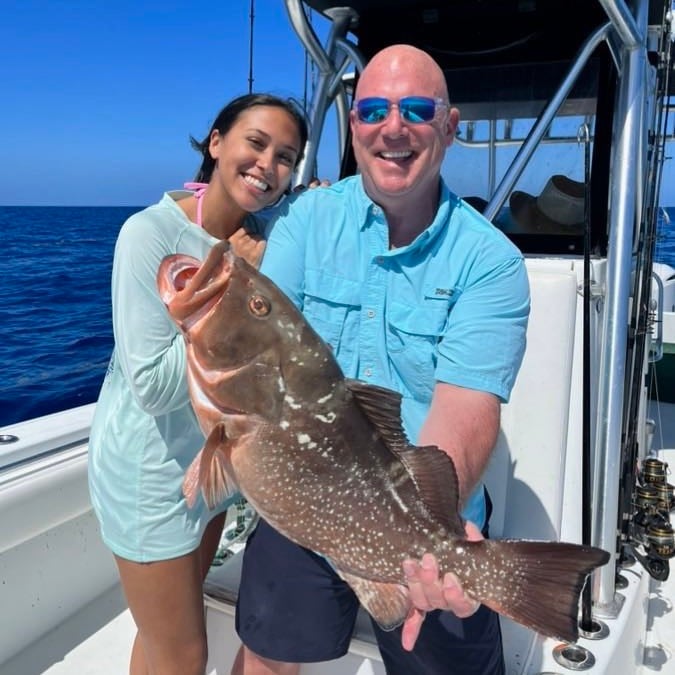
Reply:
x=250 y=46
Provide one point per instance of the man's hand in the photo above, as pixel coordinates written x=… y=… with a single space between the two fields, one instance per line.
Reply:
x=250 y=247
x=428 y=591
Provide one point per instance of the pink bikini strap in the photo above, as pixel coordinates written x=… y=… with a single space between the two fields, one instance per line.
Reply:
x=199 y=189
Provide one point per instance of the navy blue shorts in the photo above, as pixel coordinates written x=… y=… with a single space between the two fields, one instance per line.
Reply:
x=293 y=607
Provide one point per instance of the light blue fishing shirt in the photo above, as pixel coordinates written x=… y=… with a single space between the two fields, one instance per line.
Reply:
x=452 y=306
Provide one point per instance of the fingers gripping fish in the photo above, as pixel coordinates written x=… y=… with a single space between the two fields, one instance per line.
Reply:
x=324 y=459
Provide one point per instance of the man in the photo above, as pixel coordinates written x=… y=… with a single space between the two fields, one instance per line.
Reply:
x=414 y=291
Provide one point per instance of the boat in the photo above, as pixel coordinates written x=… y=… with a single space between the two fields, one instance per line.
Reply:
x=573 y=88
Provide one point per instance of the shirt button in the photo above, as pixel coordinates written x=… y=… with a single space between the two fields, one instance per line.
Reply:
x=370 y=313
x=367 y=372
x=376 y=210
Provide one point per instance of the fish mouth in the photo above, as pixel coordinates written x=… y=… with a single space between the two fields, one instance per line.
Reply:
x=190 y=288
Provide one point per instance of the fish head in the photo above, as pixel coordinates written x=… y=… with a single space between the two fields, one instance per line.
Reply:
x=217 y=306
x=246 y=341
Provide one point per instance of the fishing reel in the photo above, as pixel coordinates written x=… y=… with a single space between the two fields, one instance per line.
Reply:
x=651 y=536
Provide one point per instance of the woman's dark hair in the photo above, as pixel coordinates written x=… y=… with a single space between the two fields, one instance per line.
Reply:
x=229 y=115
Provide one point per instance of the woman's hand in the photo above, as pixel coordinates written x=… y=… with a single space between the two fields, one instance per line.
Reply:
x=313 y=183
x=248 y=246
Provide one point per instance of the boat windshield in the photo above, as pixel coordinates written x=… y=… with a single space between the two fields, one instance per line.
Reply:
x=544 y=209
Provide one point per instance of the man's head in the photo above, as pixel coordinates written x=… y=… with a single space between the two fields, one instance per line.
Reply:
x=400 y=141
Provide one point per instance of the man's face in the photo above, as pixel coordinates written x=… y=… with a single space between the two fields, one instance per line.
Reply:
x=397 y=157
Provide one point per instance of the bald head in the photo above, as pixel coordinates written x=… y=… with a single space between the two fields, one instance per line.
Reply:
x=403 y=63
x=399 y=155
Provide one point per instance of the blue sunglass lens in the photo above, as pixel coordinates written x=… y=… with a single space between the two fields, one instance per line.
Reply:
x=372 y=110
x=417 y=109
x=413 y=109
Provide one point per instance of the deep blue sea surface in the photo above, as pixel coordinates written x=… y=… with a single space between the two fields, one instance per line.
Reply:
x=55 y=265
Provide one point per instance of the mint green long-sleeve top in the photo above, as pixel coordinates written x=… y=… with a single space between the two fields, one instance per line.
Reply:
x=145 y=433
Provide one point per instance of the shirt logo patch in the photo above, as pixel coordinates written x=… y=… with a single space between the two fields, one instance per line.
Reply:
x=447 y=292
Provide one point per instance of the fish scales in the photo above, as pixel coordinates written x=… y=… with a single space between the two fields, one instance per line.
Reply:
x=331 y=478
x=324 y=459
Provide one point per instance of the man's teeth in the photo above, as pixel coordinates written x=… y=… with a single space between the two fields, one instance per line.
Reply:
x=261 y=185
x=399 y=154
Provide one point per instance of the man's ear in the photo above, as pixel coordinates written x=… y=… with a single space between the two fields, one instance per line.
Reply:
x=452 y=122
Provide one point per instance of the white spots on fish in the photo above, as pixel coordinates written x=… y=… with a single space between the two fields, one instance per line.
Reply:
x=290 y=401
x=325 y=399
x=306 y=439
x=328 y=419
x=282 y=384
x=284 y=424
x=391 y=489
x=289 y=329
x=497 y=577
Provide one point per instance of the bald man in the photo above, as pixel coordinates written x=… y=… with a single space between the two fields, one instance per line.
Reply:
x=414 y=291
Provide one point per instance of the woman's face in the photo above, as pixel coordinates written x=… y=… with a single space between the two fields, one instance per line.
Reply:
x=255 y=159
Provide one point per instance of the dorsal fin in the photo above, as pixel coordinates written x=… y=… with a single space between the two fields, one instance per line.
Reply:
x=431 y=470
x=383 y=408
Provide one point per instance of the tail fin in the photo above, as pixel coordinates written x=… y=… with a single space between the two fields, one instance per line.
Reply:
x=537 y=584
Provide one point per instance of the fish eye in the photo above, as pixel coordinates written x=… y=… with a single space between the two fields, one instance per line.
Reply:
x=259 y=305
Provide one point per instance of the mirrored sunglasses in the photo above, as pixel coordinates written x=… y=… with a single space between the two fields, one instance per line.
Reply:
x=413 y=109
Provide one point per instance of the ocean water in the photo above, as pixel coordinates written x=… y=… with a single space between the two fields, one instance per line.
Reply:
x=55 y=268
x=54 y=306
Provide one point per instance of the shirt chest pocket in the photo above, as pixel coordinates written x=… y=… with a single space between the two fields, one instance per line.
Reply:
x=331 y=305
x=413 y=334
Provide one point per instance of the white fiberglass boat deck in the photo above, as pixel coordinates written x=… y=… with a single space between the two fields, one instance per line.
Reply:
x=97 y=639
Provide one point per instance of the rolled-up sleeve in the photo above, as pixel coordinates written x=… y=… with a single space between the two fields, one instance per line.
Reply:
x=485 y=339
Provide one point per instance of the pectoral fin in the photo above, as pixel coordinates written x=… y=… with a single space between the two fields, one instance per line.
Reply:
x=210 y=471
x=387 y=603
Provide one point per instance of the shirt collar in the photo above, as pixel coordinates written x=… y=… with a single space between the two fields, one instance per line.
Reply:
x=369 y=210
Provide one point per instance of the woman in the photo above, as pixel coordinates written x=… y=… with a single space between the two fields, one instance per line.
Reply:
x=145 y=434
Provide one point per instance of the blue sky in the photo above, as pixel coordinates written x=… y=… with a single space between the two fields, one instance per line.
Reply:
x=99 y=98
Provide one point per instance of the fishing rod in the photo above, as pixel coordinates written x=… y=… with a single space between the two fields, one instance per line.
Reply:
x=645 y=533
x=586 y=622
x=251 y=15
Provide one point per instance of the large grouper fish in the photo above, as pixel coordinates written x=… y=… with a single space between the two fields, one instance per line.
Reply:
x=324 y=459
